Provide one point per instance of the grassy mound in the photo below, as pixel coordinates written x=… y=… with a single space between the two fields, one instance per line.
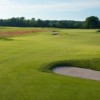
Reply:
x=84 y=63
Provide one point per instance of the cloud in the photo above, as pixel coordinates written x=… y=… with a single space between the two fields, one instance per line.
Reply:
x=60 y=6
x=15 y=7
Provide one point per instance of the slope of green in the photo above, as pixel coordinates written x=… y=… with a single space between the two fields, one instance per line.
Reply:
x=22 y=61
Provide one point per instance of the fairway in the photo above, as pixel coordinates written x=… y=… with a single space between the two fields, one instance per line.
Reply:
x=27 y=56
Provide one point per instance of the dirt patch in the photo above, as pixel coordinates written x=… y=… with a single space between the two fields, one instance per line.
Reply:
x=78 y=72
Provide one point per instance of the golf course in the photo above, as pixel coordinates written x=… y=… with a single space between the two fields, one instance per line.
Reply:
x=28 y=55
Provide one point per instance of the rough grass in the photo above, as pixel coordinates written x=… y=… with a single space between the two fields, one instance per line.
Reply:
x=19 y=31
x=26 y=61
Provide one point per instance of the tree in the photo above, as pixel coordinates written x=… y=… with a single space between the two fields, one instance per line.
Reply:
x=91 y=22
x=22 y=22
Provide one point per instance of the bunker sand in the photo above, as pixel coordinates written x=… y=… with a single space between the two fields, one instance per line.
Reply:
x=78 y=72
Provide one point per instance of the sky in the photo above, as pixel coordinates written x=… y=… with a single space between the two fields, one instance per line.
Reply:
x=50 y=9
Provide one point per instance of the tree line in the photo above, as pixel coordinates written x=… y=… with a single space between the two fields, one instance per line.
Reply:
x=91 y=22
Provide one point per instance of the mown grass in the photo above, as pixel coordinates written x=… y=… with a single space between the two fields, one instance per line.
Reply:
x=26 y=61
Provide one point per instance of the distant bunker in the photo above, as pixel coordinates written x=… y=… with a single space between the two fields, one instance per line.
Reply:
x=55 y=33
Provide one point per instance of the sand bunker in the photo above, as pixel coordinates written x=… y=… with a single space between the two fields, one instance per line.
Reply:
x=78 y=72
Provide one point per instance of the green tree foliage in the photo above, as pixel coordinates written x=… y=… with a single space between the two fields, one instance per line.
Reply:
x=22 y=22
x=91 y=22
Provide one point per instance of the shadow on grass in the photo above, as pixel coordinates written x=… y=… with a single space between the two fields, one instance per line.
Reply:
x=98 y=31
x=93 y=64
x=6 y=38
